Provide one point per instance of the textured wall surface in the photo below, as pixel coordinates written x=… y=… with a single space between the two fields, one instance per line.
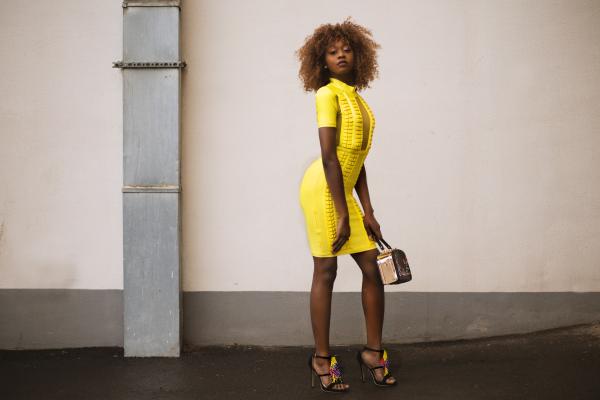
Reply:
x=484 y=164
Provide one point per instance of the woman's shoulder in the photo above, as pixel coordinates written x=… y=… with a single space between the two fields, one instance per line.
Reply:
x=325 y=91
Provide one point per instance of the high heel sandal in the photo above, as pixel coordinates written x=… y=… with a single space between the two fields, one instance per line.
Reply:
x=384 y=363
x=335 y=371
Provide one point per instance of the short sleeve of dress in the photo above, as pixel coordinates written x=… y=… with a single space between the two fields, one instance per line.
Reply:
x=327 y=107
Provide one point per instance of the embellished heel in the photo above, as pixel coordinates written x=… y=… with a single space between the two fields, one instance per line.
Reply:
x=335 y=371
x=384 y=364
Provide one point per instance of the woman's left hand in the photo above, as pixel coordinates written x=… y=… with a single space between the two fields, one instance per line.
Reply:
x=372 y=227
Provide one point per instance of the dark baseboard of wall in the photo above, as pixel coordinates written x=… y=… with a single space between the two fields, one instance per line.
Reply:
x=60 y=318
x=69 y=318
x=282 y=318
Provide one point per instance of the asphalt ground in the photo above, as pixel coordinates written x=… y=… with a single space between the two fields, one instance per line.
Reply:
x=561 y=363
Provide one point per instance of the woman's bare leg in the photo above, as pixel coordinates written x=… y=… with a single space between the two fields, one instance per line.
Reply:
x=373 y=302
x=324 y=275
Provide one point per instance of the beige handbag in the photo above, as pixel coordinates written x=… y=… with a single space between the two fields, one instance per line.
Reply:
x=392 y=264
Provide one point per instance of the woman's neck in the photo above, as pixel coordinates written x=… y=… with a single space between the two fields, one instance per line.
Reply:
x=348 y=80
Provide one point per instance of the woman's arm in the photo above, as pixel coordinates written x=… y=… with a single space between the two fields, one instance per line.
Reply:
x=362 y=189
x=335 y=180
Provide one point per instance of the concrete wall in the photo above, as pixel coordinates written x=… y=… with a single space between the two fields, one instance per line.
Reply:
x=60 y=145
x=484 y=165
x=484 y=169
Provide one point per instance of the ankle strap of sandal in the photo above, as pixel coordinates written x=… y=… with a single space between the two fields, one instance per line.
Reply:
x=368 y=348
x=326 y=357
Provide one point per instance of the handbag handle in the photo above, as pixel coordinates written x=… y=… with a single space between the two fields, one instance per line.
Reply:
x=381 y=245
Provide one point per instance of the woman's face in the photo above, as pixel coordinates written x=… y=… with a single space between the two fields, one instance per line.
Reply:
x=339 y=58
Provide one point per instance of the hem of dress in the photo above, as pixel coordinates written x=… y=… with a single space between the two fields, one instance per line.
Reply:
x=351 y=251
x=328 y=125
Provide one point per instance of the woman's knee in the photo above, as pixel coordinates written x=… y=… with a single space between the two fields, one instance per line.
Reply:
x=325 y=269
x=367 y=262
x=371 y=275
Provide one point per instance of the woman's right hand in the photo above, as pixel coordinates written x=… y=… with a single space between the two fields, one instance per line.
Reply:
x=343 y=233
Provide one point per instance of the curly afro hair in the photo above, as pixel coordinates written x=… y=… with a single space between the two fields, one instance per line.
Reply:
x=312 y=54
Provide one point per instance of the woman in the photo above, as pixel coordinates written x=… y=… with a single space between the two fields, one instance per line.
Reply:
x=336 y=61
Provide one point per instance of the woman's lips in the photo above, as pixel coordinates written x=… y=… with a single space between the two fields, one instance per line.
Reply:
x=342 y=63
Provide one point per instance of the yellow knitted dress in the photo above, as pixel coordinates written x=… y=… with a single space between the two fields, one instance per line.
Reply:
x=340 y=106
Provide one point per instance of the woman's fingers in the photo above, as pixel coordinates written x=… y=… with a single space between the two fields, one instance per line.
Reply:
x=378 y=234
x=371 y=226
x=338 y=243
x=336 y=246
x=370 y=231
x=340 y=240
x=375 y=228
x=342 y=235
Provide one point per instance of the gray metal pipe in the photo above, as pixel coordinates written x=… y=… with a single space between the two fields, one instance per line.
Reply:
x=151 y=66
